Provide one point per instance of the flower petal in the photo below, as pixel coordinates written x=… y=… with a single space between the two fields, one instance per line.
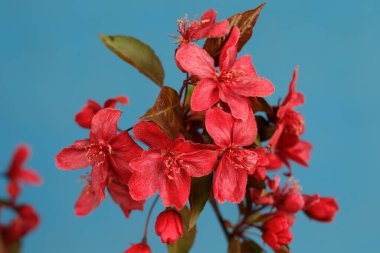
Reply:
x=199 y=163
x=244 y=132
x=104 y=125
x=196 y=61
x=174 y=192
x=210 y=29
x=20 y=156
x=146 y=170
x=84 y=117
x=229 y=51
x=239 y=105
x=250 y=84
x=205 y=95
x=229 y=183
x=99 y=172
x=299 y=153
x=219 y=125
x=123 y=100
x=30 y=177
x=74 y=156
x=13 y=189
x=88 y=200
x=152 y=135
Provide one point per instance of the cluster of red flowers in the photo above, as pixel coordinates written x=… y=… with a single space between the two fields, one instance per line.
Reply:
x=25 y=217
x=220 y=137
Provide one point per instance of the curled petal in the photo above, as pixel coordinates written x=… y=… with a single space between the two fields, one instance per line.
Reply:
x=74 y=156
x=196 y=61
x=30 y=177
x=219 y=125
x=205 y=95
x=229 y=51
x=123 y=100
x=84 y=117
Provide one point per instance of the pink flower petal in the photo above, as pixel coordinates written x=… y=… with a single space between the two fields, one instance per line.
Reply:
x=229 y=51
x=199 y=163
x=84 y=117
x=123 y=100
x=299 y=153
x=219 y=125
x=30 y=177
x=146 y=170
x=239 y=105
x=152 y=135
x=175 y=191
x=205 y=95
x=244 y=132
x=99 y=171
x=229 y=182
x=20 y=156
x=104 y=125
x=88 y=200
x=74 y=156
x=196 y=61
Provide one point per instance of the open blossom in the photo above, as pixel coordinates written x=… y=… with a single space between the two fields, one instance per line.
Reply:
x=108 y=153
x=84 y=117
x=276 y=232
x=169 y=226
x=167 y=166
x=319 y=208
x=25 y=221
x=234 y=84
x=236 y=163
x=285 y=142
x=206 y=27
x=139 y=248
x=17 y=173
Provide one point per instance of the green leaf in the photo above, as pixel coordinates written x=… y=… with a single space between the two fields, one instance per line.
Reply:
x=15 y=247
x=184 y=244
x=138 y=54
x=234 y=246
x=199 y=195
x=245 y=21
x=166 y=112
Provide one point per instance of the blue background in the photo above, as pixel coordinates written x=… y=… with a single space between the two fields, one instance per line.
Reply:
x=51 y=62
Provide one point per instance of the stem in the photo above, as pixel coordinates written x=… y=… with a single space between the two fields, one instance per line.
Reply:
x=148 y=218
x=220 y=218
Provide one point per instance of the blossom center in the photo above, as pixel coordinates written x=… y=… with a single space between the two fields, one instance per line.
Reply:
x=96 y=152
x=172 y=165
x=242 y=158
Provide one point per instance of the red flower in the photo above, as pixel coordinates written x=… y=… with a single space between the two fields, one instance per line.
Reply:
x=167 y=166
x=106 y=151
x=204 y=28
x=287 y=199
x=285 y=142
x=139 y=248
x=276 y=231
x=321 y=209
x=236 y=163
x=84 y=117
x=236 y=82
x=17 y=173
x=169 y=226
x=25 y=221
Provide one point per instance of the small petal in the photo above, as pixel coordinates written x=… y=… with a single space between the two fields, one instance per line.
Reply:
x=144 y=180
x=30 y=177
x=219 y=125
x=123 y=100
x=74 y=156
x=88 y=200
x=152 y=135
x=104 y=125
x=244 y=132
x=84 y=117
x=205 y=95
x=196 y=61
x=20 y=156
x=229 y=51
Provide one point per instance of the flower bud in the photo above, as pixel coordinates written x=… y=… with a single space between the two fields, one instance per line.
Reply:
x=169 y=226
x=292 y=203
x=276 y=232
x=320 y=209
x=139 y=248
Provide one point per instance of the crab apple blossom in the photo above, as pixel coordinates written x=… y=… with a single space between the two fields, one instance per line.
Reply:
x=236 y=82
x=230 y=135
x=322 y=209
x=276 y=232
x=139 y=248
x=169 y=226
x=17 y=173
x=84 y=117
x=167 y=166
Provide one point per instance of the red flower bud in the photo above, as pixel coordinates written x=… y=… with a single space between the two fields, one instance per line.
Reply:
x=169 y=226
x=320 y=209
x=276 y=232
x=291 y=203
x=139 y=248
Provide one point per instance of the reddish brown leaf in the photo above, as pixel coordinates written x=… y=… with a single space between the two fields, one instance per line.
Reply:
x=166 y=112
x=245 y=21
